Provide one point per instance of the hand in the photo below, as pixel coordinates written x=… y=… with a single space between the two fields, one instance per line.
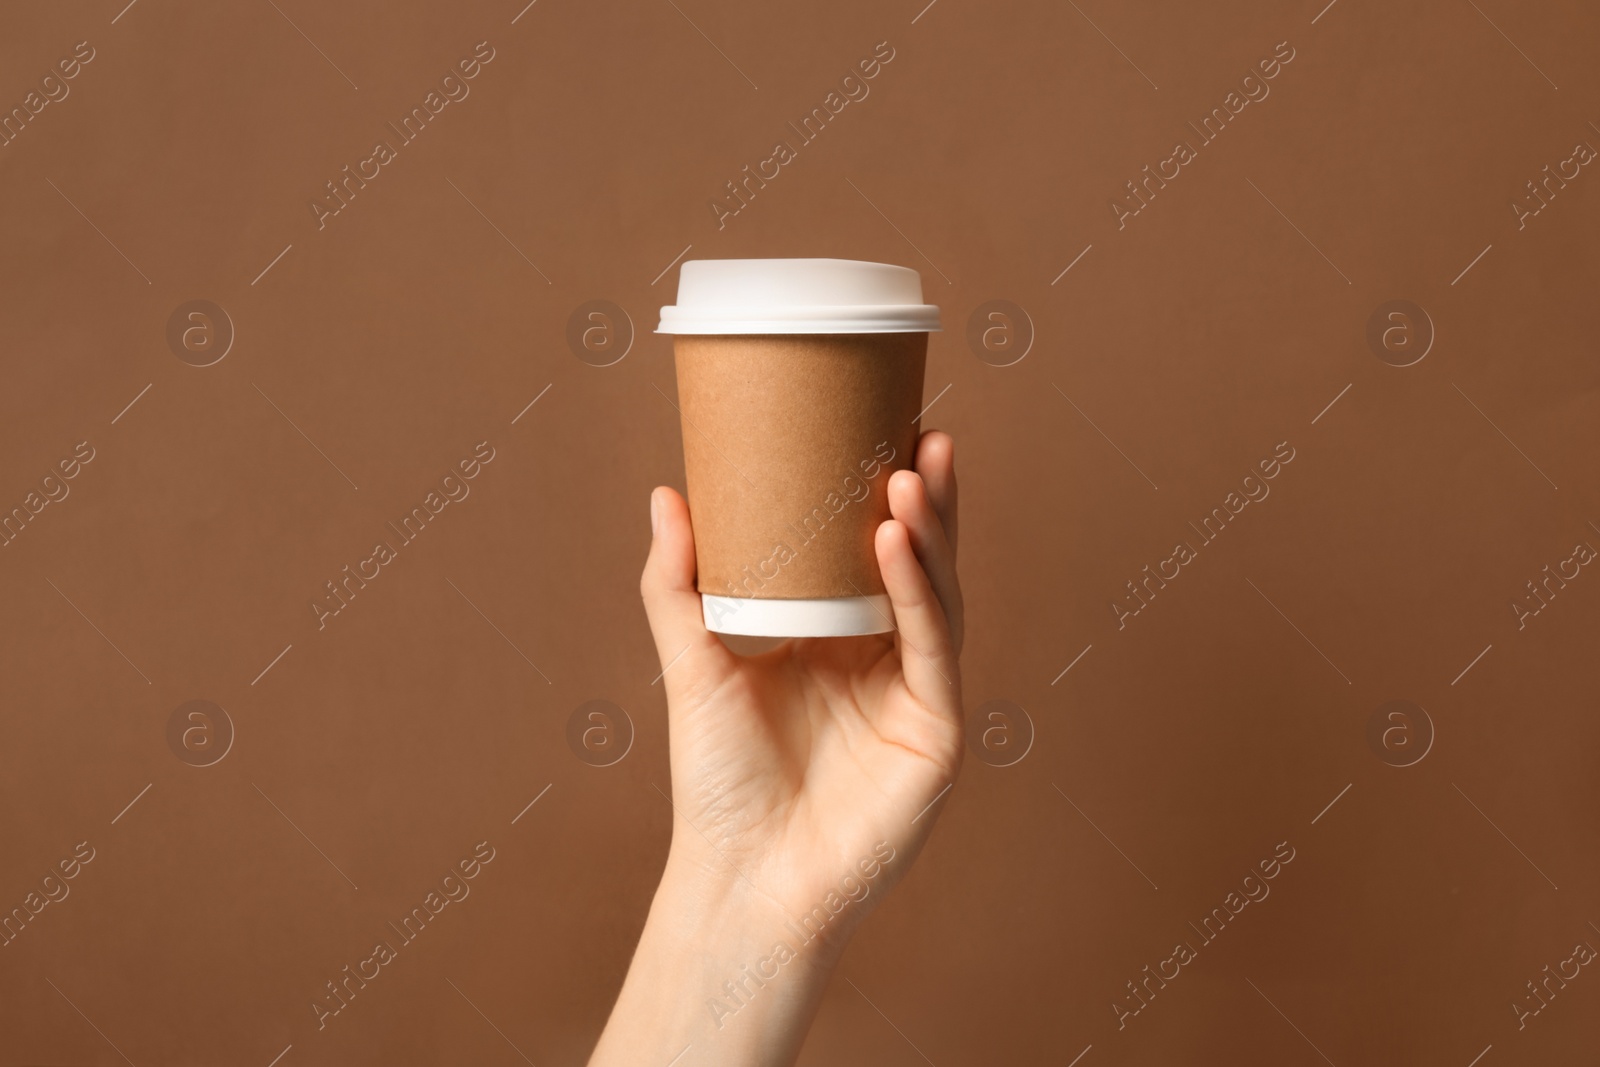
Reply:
x=795 y=773
x=790 y=767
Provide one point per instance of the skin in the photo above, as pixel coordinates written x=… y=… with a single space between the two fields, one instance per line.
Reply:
x=792 y=771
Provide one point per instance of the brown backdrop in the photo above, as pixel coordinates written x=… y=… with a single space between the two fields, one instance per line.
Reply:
x=247 y=849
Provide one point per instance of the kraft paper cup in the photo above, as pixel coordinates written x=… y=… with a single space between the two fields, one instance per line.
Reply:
x=799 y=383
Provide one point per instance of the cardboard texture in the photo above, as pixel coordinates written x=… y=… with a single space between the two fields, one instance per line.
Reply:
x=789 y=442
x=1385 y=661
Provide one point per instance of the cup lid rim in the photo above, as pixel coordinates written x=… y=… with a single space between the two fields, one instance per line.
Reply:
x=797 y=296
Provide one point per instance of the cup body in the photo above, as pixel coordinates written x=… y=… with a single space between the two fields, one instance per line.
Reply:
x=789 y=441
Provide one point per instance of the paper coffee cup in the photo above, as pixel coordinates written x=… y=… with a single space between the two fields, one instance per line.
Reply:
x=799 y=386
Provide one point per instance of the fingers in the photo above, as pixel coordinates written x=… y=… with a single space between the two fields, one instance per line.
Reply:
x=927 y=657
x=936 y=462
x=685 y=647
x=911 y=503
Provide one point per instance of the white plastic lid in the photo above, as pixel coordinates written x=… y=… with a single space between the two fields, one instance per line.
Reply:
x=721 y=296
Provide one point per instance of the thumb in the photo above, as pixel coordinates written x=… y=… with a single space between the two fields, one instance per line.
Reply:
x=686 y=649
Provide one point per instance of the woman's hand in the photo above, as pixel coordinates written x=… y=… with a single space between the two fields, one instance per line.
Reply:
x=803 y=781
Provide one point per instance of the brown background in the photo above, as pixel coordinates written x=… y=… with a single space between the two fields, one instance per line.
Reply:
x=378 y=350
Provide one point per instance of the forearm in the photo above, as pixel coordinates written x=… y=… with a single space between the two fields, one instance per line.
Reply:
x=719 y=977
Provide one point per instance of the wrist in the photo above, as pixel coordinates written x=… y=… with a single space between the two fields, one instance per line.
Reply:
x=813 y=915
x=745 y=914
x=717 y=970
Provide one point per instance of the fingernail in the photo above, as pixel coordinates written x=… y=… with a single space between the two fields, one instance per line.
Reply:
x=655 y=517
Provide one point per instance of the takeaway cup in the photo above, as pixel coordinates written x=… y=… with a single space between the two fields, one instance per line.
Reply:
x=799 y=389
